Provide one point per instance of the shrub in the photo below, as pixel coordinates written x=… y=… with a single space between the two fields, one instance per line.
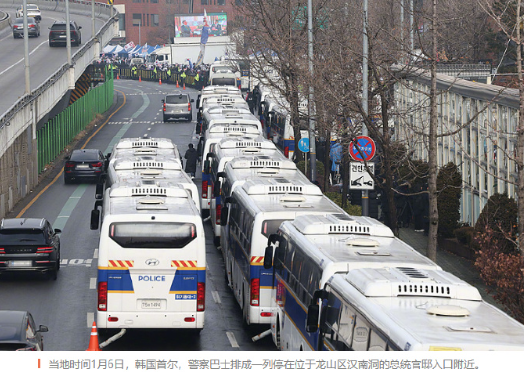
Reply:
x=449 y=186
x=500 y=215
x=465 y=234
x=352 y=210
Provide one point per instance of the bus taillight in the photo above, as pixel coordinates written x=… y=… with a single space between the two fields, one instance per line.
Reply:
x=201 y=296
x=204 y=189
x=286 y=152
x=218 y=214
x=255 y=292
x=102 y=296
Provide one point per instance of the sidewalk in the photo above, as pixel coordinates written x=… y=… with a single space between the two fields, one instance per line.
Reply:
x=458 y=266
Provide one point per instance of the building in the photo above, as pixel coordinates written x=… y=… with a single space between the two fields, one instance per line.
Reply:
x=152 y=21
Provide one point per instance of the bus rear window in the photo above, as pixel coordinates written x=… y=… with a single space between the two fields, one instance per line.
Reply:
x=223 y=81
x=270 y=227
x=157 y=235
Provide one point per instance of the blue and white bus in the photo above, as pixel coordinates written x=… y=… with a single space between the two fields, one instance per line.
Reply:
x=152 y=259
x=254 y=211
x=310 y=250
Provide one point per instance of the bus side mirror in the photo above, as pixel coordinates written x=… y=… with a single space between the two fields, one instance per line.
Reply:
x=95 y=219
x=312 y=318
x=206 y=166
x=221 y=174
x=216 y=188
x=100 y=186
x=223 y=216
x=268 y=258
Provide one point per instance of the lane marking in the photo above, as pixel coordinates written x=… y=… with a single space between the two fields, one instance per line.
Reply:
x=232 y=339
x=22 y=60
x=69 y=207
x=216 y=297
x=92 y=283
x=90 y=319
x=95 y=253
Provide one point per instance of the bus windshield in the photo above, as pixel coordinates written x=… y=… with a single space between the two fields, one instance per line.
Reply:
x=152 y=235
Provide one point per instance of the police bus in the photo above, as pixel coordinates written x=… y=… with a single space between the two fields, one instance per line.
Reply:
x=254 y=211
x=221 y=129
x=152 y=261
x=242 y=169
x=224 y=151
x=151 y=172
x=144 y=148
x=402 y=309
x=225 y=101
x=310 y=250
x=217 y=91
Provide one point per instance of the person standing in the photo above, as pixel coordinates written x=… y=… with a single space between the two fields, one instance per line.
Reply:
x=191 y=157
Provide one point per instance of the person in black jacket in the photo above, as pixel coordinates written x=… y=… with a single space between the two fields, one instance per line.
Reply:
x=191 y=157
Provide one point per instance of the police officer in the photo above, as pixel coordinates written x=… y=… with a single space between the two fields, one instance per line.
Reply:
x=134 y=72
x=183 y=76
x=197 y=79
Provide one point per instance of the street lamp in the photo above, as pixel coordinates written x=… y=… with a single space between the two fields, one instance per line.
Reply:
x=139 y=36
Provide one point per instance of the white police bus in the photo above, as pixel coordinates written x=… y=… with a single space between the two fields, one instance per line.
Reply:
x=401 y=309
x=224 y=151
x=152 y=261
x=310 y=250
x=254 y=211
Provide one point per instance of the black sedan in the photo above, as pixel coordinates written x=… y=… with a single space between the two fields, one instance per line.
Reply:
x=84 y=165
x=33 y=27
x=18 y=332
x=29 y=245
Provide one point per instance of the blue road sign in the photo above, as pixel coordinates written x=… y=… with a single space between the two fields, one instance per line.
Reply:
x=303 y=144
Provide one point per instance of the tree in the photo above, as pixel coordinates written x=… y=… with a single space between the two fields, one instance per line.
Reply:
x=449 y=184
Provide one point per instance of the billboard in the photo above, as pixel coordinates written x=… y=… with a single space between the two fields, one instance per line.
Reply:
x=190 y=25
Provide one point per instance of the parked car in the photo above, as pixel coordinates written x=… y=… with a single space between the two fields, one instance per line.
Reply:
x=29 y=244
x=57 y=33
x=18 y=332
x=32 y=11
x=84 y=165
x=176 y=106
x=33 y=27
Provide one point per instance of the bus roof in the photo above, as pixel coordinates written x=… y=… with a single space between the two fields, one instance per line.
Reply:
x=426 y=320
x=135 y=164
x=133 y=143
x=295 y=188
x=245 y=142
x=261 y=162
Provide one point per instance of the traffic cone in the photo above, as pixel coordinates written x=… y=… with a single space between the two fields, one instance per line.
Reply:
x=93 y=341
x=140 y=79
x=159 y=81
x=184 y=88
x=177 y=84
x=117 y=77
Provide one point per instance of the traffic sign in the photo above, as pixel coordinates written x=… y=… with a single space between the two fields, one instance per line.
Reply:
x=359 y=178
x=303 y=144
x=366 y=146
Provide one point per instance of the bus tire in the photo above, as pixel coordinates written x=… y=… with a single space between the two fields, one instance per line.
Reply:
x=277 y=334
x=216 y=241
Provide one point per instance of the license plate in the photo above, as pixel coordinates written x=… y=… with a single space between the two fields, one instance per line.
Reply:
x=82 y=166
x=62 y=36
x=20 y=263
x=152 y=304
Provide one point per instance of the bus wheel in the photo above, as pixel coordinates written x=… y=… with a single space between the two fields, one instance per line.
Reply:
x=277 y=334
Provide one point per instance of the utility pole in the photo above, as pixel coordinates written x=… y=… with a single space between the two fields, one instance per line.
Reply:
x=365 y=52
x=26 y=50
x=68 y=35
x=311 y=102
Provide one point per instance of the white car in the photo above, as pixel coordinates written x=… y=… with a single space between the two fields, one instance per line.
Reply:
x=32 y=11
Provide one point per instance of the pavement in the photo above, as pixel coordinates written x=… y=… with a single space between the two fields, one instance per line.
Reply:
x=458 y=266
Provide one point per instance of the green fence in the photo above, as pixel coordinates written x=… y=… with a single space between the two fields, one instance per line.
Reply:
x=57 y=133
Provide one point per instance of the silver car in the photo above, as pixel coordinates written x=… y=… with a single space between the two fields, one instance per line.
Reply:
x=33 y=27
x=32 y=11
x=177 y=106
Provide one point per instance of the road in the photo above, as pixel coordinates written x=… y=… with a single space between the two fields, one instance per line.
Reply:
x=67 y=306
x=44 y=61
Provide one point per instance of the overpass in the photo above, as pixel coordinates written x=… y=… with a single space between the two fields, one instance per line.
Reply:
x=21 y=120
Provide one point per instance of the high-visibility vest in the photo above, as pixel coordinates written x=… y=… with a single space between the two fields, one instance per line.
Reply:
x=183 y=75
x=169 y=72
x=197 y=77
x=155 y=70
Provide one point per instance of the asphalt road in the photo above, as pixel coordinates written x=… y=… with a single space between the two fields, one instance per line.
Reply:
x=44 y=61
x=67 y=306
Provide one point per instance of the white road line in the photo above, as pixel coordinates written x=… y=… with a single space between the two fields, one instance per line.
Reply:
x=21 y=60
x=92 y=281
x=95 y=254
x=216 y=297
x=232 y=339
x=90 y=319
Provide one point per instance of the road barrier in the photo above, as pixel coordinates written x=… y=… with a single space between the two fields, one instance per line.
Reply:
x=54 y=137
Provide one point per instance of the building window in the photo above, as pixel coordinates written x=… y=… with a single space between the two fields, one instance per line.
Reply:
x=205 y=2
x=136 y=1
x=155 y=20
x=154 y=1
x=121 y=22
x=137 y=19
x=170 y=1
x=221 y=2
